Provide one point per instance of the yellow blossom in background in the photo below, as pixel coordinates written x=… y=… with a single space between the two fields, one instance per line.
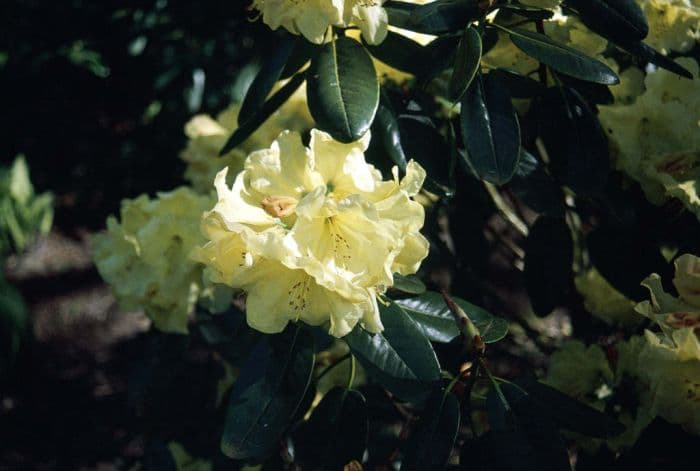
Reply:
x=145 y=257
x=603 y=301
x=674 y=25
x=656 y=139
x=207 y=136
x=313 y=233
x=671 y=368
x=312 y=18
x=578 y=370
x=669 y=312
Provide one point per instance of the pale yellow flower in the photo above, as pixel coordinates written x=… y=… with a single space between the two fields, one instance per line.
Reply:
x=312 y=18
x=671 y=368
x=207 y=137
x=314 y=233
x=145 y=258
x=656 y=139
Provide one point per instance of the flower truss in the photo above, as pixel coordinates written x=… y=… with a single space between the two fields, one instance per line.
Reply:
x=313 y=234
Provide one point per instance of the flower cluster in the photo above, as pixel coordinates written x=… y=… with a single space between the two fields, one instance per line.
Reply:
x=145 y=258
x=312 y=18
x=207 y=137
x=313 y=234
x=657 y=137
x=663 y=368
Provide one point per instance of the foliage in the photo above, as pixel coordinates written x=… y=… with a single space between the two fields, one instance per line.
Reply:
x=364 y=154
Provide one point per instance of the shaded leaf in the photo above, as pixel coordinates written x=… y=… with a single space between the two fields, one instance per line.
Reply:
x=399 y=52
x=612 y=19
x=343 y=91
x=336 y=432
x=267 y=77
x=467 y=61
x=269 y=107
x=548 y=259
x=432 y=315
x=562 y=58
x=386 y=128
x=570 y=414
x=649 y=54
x=408 y=284
x=523 y=437
x=490 y=130
x=400 y=358
x=431 y=443
x=576 y=143
x=422 y=142
x=267 y=393
x=533 y=185
x=443 y=16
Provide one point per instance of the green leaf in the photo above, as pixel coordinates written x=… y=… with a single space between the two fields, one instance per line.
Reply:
x=533 y=185
x=13 y=324
x=422 y=142
x=269 y=107
x=302 y=52
x=336 y=432
x=266 y=78
x=523 y=437
x=467 y=62
x=562 y=58
x=576 y=144
x=518 y=85
x=400 y=358
x=399 y=52
x=612 y=19
x=438 y=324
x=267 y=393
x=615 y=251
x=443 y=16
x=548 y=259
x=570 y=414
x=431 y=443
x=408 y=284
x=386 y=129
x=490 y=130
x=649 y=54
x=343 y=91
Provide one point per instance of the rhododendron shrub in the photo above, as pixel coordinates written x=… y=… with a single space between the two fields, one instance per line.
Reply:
x=341 y=226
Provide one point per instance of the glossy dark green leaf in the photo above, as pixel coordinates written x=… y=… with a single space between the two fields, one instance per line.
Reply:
x=302 y=52
x=424 y=144
x=467 y=60
x=399 y=13
x=408 y=284
x=612 y=19
x=518 y=85
x=431 y=442
x=266 y=78
x=562 y=58
x=649 y=54
x=531 y=13
x=386 y=129
x=490 y=130
x=570 y=414
x=343 y=91
x=399 y=52
x=336 y=432
x=267 y=393
x=437 y=56
x=269 y=107
x=400 y=358
x=548 y=258
x=443 y=16
x=576 y=143
x=432 y=315
x=523 y=437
